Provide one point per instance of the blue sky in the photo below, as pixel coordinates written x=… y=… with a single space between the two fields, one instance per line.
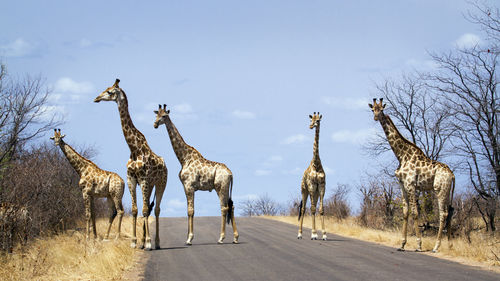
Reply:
x=240 y=77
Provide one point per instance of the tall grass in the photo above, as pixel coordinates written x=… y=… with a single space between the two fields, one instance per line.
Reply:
x=483 y=250
x=70 y=256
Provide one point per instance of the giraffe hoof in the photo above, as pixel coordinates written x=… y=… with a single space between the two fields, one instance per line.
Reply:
x=401 y=249
x=299 y=236
x=235 y=241
x=324 y=238
x=418 y=250
x=133 y=245
x=189 y=243
x=220 y=241
x=314 y=236
x=434 y=250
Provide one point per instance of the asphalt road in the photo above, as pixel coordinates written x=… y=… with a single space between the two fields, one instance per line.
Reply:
x=269 y=250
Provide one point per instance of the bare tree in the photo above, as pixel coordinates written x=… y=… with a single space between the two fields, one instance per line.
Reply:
x=336 y=205
x=263 y=205
x=488 y=19
x=468 y=81
x=24 y=113
x=418 y=115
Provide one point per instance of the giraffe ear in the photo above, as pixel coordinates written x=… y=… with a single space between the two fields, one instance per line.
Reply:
x=156 y=111
x=321 y=116
x=63 y=136
x=370 y=105
x=383 y=106
x=310 y=116
x=168 y=111
x=52 y=138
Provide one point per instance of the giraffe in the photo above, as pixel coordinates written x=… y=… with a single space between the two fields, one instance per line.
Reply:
x=313 y=184
x=144 y=167
x=198 y=173
x=95 y=183
x=417 y=172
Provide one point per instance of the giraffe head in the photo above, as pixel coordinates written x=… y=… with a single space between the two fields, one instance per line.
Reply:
x=377 y=108
x=315 y=120
x=161 y=115
x=57 y=138
x=112 y=93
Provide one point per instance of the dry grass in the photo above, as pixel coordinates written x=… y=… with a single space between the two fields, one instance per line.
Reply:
x=71 y=256
x=484 y=251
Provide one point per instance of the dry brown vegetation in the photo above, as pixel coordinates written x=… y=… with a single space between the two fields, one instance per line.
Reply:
x=70 y=256
x=483 y=250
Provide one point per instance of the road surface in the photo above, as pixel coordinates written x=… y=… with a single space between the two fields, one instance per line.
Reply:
x=269 y=250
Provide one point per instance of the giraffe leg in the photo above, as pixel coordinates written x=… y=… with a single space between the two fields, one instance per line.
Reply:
x=112 y=215
x=322 y=212
x=88 y=218
x=146 y=194
x=302 y=210
x=224 y=208
x=92 y=215
x=132 y=184
x=405 y=219
x=416 y=219
x=443 y=214
x=314 y=201
x=190 y=207
x=235 y=230
x=159 y=189
x=118 y=203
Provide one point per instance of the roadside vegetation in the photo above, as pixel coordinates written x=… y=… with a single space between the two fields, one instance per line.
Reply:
x=41 y=207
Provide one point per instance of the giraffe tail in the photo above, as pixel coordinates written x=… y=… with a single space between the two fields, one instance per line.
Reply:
x=151 y=205
x=450 y=206
x=229 y=214
x=300 y=210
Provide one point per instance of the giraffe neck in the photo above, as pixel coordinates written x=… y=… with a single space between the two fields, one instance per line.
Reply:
x=316 y=161
x=399 y=145
x=78 y=162
x=134 y=138
x=181 y=149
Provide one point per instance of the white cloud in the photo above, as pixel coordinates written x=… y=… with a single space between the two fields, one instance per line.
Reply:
x=176 y=203
x=296 y=139
x=468 y=40
x=68 y=85
x=84 y=43
x=294 y=171
x=183 y=108
x=262 y=172
x=17 y=48
x=353 y=136
x=243 y=114
x=272 y=161
x=183 y=111
x=345 y=102
x=328 y=170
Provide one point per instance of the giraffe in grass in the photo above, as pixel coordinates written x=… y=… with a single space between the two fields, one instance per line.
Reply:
x=416 y=173
x=313 y=184
x=144 y=167
x=198 y=173
x=95 y=183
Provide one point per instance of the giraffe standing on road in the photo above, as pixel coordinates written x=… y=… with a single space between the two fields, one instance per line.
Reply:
x=144 y=167
x=417 y=172
x=95 y=183
x=198 y=173
x=313 y=184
